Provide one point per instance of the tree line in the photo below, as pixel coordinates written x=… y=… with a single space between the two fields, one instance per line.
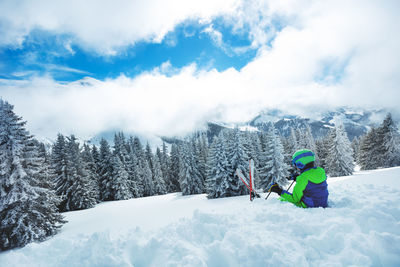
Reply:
x=36 y=184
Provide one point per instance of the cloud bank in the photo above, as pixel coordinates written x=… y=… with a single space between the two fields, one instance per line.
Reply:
x=102 y=26
x=312 y=55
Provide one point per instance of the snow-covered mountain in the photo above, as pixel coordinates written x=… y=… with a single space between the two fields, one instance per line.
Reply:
x=360 y=228
x=356 y=121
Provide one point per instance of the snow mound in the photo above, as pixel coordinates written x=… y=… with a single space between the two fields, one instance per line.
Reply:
x=361 y=228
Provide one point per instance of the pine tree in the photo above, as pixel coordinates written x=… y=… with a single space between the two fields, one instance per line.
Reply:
x=201 y=147
x=290 y=145
x=96 y=160
x=132 y=166
x=309 y=142
x=148 y=168
x=165 y=162
x=78 y=189
x=158 y=180
x=390 y=142
x=355 y=145
x=142 y=172
x=173 y=181
x=340 y=161
x=237 y=158
x=90 y=166
x=146 y=178
x=121 y=181
x=218 y=176
x=58 y=163
x=28 y=209
x=322 y=149
x=119 y=184
x=369 y=154
x=189 y=177
x=106 y=171
x=275 y=169
x=121 y=149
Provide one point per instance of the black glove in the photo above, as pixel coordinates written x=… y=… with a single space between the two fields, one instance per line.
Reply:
x=276 y=189
x=293 y=175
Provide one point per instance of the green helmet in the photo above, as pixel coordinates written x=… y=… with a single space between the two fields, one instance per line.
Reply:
x=302 y=157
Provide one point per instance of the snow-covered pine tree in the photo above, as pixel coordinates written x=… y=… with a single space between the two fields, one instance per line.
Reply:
x=322 y=149
x=158 y=154
x=146 y=178
x=149 y=156
x=275 y=169
x=120 y=149
x=340 y=161
x=257 y=149
x=106 y=170
x=58 y=163
x=148 y=170
x=90 y=166
x=133 y=171
x=190 y=179
x=28 y=209
x=95 y=156
x=80 y=187
x=299 y=138
x=201 y=149
x=237 y=158
x=369 y=154
x=391 y=142
x=43 y=152
x=256 y=155
x=158 y=180
x=290 y=145
x=45 y=173
x=218 y=176
x=96 y=159
x=132 y=166
x=119 y=184
x=309 y=142
x=355 y=145
x=165 y=162
x=142 y=172
x=173 y=181
x=247 y=143
x=121 y=180
x=294 y=142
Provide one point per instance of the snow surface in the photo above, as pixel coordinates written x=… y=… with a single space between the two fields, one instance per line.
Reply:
x=361 y=228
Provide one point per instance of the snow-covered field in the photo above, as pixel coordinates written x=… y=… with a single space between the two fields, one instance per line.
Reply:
x=361 y=228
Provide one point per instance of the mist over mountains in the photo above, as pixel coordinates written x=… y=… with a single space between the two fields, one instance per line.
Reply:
x=357 y=122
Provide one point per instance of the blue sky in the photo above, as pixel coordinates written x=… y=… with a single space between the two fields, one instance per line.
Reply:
x=165 y=67
x=43 y=53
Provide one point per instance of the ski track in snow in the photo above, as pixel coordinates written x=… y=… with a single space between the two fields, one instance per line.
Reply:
x=361 y=228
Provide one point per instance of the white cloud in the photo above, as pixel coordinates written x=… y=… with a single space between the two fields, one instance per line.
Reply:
x=358 y=39
x=101 y=25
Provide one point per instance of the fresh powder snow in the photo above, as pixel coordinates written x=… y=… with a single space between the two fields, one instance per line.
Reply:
x=360 y=228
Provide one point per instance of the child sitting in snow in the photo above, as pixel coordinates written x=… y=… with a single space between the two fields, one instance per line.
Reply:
x=311 y=189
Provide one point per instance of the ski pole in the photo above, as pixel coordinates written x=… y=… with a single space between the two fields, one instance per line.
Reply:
x=268 y=195
x=286 y=190
x=290 y=185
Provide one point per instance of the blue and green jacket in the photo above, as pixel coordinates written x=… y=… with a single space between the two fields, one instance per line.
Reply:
x=311 y=189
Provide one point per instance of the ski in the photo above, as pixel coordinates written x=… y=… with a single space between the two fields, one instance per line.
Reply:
x=243 y=178
x=249 y=182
